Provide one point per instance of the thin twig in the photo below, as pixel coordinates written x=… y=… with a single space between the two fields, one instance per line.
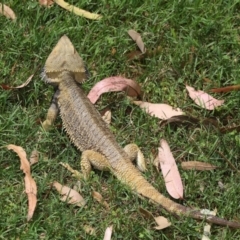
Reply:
x=230 y=164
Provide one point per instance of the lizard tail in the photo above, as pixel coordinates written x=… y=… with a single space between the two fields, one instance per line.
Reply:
x=140 y=185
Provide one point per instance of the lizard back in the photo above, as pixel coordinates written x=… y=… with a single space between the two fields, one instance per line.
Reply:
x=83 y=123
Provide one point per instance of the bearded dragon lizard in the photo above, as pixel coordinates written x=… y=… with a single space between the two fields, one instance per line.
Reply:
x=65 y=69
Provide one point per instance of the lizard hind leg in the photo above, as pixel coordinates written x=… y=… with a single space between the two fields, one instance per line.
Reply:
x=133 y=153
x=91 y=158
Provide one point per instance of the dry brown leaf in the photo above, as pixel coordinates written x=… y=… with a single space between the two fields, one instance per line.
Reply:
x=145 y=213
x=30 y=184
x=78 y=11
x=196 y=165
x=34 y=157
x=162 y=223
x=6 y=87
x=7 y=11
x=97 y=196
x=138 y=39
x=46 y=3
x=114 y=84
x=69 y=195
x=108 y=233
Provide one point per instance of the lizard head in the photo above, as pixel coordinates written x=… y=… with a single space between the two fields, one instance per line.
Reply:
x=64 y=57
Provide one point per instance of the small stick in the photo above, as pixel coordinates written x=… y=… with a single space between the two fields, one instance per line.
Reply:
x=230 y=164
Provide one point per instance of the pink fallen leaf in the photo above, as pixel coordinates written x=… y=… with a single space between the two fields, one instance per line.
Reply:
x=69 y=195
x=138 y=39
x=108 y=233
x=114 y=84
x=203 y=99
x=170 y=171
x=7 y=11
x=30 y=184
x=159 y=110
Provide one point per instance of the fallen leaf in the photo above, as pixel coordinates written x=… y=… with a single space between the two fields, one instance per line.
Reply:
x=107 y=117
x=196 y=165
x=170 y=172
x=34 y=157
x=97 y=196
x=7 y=11
x=6 y=87
x=108 y=233
x=69 y=195
x=46 y=3
x=162 y=222
x=159 y=110
x=207 y=227
x=30 y=184
x=138 y=39
x=77 y=11
x=114 y=84
x=89 y=230
x=206 y=232
x=203 y=99
x=145 y=213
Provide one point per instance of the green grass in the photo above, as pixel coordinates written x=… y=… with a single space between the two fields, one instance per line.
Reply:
x=210 y=27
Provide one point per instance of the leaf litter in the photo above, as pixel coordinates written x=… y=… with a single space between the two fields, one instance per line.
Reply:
x=30 y=184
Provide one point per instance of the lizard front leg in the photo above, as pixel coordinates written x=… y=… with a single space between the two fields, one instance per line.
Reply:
x=52 y=112
x=91 y=158
x=133 y=153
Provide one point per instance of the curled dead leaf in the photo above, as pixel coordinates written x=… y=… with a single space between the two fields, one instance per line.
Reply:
x=30 y=184
x=6 y=87
x=196 y=165
x=114 y=84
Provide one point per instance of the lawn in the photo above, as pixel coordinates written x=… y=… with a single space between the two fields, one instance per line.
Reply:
x=198 y=44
